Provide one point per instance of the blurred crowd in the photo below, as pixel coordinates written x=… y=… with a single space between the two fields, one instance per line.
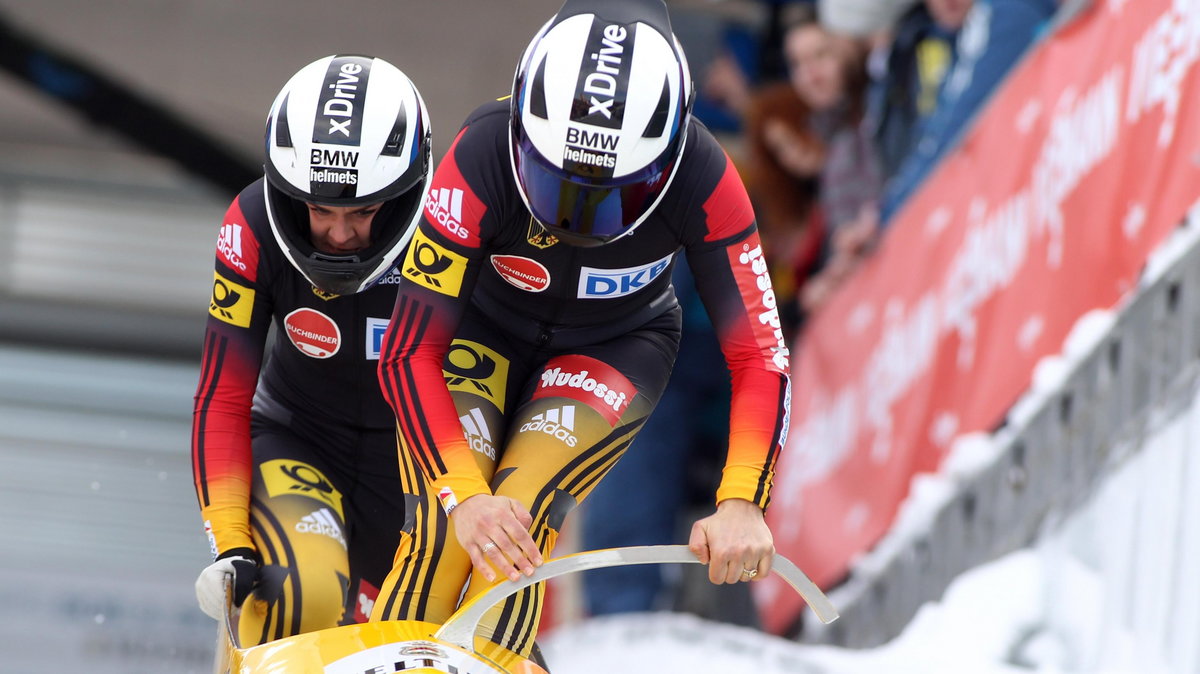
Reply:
x=835 y=112
x=846 y=108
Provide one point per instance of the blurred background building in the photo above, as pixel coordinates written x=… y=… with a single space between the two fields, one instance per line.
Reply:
x=126 y=127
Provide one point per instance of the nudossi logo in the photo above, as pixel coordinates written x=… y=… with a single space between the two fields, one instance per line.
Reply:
x=558 y=423
x=770 y=318
x=580 y=380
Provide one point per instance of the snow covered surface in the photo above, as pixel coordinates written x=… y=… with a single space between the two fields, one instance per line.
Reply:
x=1112 y=589
x=988 y=623
x=971 y=631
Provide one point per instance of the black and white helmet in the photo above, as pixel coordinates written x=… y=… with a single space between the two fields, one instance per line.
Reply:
x=600 y=108
x=347 y=130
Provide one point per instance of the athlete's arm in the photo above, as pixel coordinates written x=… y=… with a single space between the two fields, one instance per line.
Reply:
x=239 y=317
x=439 y=270
x=737 y=293
x=732 y=280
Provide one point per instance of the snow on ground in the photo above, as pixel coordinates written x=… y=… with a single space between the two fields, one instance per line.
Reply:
x=988 y=623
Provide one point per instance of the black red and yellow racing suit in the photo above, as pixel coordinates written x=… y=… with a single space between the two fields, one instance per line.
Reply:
x=300 y=464
x=523 y=366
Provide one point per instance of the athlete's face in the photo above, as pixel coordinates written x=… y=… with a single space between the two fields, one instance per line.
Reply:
x=341 y=229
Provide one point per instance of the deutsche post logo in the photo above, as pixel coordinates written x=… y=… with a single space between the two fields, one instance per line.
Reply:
x=231 y=302
x=538 y=236
x=283 y=477
x=471 y=367
x=435 y=267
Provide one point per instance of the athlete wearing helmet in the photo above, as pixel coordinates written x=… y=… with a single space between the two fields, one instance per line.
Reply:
x=536 y=327
x=595 y=146
x=295 y=461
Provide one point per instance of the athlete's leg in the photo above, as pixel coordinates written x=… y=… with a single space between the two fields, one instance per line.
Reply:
x=430 y=567
x=638 y=503
x=582 y=411
x=375 y=515
x=298 y=523
x=648 y=495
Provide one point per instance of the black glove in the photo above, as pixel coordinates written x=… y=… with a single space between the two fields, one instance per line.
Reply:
x=239 y=563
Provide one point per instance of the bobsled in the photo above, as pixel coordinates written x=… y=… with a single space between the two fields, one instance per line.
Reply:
x=416 y=647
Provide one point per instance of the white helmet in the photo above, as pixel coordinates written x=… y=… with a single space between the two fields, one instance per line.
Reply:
x=600 y=107
x=347 y=130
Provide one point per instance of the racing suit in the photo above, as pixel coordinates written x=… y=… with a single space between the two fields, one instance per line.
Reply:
x=522 y=366
x=298 y=464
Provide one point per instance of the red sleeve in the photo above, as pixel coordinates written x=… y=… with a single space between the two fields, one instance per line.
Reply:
x=239 y=315
x=734 y=283
x=439 y=271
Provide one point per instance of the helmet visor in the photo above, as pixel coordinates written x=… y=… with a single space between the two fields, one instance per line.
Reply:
x=599 y=208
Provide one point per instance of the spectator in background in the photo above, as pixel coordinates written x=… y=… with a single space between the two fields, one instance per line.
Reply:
x=993 y=37
x=913 y=47
x=725 y=84
x=909 y=50
x=783 y=158
x=828 y=73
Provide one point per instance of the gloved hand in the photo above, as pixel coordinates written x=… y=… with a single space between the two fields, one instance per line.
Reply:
x=240 y=563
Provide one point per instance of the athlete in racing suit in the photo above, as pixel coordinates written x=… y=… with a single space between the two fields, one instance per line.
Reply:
x=296 y=470
x=523 y=358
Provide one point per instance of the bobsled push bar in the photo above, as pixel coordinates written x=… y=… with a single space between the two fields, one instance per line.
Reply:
x=460 y=628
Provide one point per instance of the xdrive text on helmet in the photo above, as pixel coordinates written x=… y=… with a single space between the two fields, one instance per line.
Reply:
x=346 y=131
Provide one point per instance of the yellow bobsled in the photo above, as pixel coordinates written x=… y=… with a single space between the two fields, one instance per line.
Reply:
x=415 y=647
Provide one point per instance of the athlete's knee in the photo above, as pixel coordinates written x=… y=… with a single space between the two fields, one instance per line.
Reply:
x=287 y=602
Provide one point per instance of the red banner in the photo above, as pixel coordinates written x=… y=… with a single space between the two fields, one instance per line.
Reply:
x=1082 y=163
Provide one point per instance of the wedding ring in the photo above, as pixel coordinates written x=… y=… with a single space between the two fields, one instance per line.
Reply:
x=749 y=573
x=488 y=547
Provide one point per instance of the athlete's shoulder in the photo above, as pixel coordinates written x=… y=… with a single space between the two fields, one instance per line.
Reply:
x=249 y=207
x=711 y=198
x=245 y=239
x=703 y=152
x=472 y=191
x=490 y=113
x=484 y=132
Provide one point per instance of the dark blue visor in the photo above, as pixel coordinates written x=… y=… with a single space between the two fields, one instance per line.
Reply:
x=582 y=206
